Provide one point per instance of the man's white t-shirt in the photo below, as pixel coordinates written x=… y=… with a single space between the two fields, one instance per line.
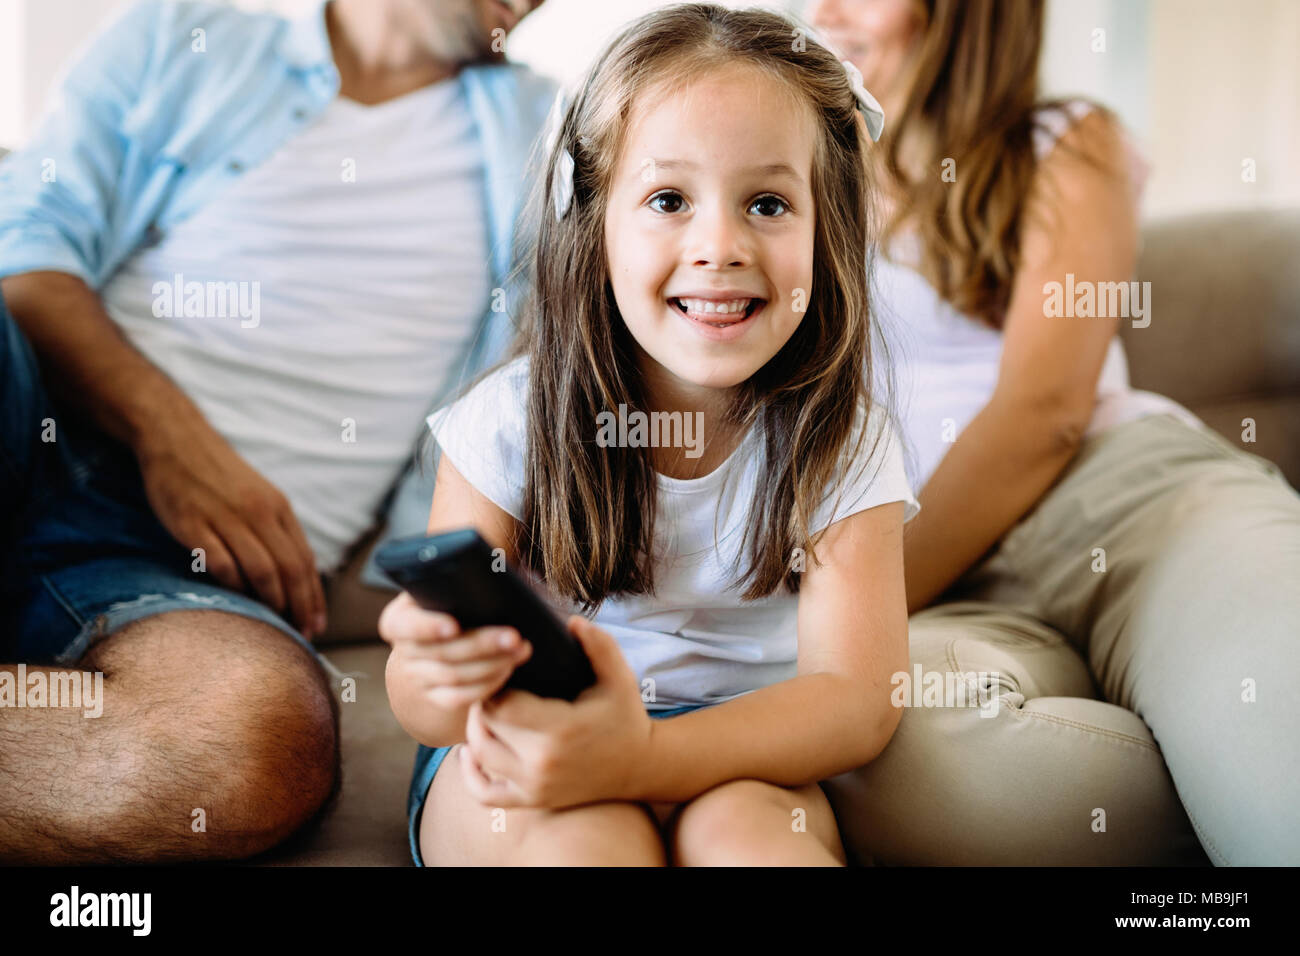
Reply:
x=695 y=640
x=358 y=256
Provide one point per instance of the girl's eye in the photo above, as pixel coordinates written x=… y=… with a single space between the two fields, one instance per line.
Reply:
x=672 y=197
x=774 y=205
x=768 y=201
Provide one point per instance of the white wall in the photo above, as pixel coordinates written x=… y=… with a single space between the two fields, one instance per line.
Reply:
x=1203 y=84
x=12 y=84
x=36 y=39
x=1225 y=84
x=563 y=37
x=1098 y=48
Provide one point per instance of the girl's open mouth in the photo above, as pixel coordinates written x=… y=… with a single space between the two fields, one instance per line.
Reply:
x=719 y=321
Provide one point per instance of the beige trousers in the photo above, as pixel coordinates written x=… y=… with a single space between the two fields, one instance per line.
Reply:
x=1138 y=634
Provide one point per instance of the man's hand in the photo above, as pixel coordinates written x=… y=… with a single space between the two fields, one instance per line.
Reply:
x=522 y=750
x=208 y=497
x=201 y=490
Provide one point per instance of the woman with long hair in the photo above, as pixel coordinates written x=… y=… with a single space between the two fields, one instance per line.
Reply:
x=1065 y=516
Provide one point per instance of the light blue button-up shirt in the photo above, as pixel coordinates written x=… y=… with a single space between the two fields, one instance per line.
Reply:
x=177 y=100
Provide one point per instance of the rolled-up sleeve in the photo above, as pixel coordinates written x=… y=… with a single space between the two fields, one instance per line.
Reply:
x=60 y=194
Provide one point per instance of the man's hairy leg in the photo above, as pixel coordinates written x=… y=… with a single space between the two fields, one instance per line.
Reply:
x=202 y=711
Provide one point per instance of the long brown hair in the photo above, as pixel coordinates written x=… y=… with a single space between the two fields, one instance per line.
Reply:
x=588 y=513
x=972 y=98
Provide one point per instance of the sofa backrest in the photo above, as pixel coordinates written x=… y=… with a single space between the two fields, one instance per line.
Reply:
x=1224 y=336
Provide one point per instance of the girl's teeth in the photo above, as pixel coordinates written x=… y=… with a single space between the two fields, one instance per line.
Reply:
x=707 y=306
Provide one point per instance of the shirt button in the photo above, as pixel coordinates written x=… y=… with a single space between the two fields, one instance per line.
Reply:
x=235 y=166
x=300 y=114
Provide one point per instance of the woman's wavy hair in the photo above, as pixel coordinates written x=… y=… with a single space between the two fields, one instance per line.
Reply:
x=588 y=512
x=972 y=98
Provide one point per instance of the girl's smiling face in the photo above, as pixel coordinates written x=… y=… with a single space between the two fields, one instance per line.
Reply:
x=709 y=226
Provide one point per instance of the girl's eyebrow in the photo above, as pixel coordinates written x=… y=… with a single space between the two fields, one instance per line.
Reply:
x=770 y=169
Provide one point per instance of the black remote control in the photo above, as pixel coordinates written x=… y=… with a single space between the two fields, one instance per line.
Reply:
x=457 y=573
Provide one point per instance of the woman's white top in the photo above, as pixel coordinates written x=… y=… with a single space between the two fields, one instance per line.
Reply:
x=946 y=362
x=694 y=641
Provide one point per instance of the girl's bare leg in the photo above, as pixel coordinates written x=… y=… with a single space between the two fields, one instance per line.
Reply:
x=457 y=830
x=753 y=823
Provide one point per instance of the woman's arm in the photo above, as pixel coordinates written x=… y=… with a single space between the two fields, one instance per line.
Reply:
x=836 y=714
x=1081 y=218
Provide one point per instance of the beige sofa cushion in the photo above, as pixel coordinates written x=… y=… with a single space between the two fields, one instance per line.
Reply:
x=1224 y=338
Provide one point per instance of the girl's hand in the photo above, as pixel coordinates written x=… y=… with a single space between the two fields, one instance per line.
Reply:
x=522 y=750
x=442 y=665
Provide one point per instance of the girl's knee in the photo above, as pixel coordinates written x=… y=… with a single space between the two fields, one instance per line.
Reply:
x=603 y=834
x=467 y=833
x=734 y=821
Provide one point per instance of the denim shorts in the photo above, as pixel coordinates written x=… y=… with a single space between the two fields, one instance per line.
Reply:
x=429 y=759
x=81 y=552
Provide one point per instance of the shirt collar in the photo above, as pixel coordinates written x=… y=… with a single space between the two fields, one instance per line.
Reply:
x=306 y=44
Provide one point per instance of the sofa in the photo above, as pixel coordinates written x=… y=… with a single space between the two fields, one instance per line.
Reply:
x=1224 y=340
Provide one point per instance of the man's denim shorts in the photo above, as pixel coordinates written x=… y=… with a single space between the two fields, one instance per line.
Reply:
x=429 y=759
x=81 y=552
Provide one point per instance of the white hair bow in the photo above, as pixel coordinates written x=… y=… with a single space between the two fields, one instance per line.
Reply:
x=562 y=175
x=871 y=110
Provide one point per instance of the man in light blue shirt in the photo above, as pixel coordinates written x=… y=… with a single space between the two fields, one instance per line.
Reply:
x=171 y=492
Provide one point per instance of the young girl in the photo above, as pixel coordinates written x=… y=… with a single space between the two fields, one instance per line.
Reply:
x=697 y=277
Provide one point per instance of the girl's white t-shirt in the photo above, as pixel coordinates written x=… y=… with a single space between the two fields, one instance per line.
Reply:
x=694 y=641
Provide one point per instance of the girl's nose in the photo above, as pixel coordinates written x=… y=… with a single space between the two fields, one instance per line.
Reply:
x=718 y=239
